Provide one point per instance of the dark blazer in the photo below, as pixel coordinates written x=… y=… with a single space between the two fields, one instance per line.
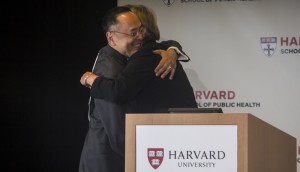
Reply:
x=138 y=82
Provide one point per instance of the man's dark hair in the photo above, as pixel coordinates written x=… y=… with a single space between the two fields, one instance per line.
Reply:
x=110 y=17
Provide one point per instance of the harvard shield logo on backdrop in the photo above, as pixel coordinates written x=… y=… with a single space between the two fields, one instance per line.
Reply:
x=268 y=45
x=168 y=2
x=155 y=156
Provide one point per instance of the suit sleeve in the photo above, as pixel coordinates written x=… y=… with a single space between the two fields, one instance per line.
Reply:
x=171 y=44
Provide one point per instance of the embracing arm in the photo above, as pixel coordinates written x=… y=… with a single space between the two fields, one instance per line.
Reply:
x=128 y=83
x=177 y=48
x=169 y=57
x=126 y=86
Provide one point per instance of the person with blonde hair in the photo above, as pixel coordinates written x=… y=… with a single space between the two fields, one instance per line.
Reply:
x=149 y=21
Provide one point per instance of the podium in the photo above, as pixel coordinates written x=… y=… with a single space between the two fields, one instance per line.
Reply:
x=260 y=146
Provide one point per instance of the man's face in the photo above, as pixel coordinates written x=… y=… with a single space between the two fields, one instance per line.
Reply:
x=127 y=37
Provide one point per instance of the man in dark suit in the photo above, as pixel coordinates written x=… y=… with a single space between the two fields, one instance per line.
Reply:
x=104 y=145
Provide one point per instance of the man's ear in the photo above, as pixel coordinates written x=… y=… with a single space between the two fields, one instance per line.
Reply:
x=110 y=38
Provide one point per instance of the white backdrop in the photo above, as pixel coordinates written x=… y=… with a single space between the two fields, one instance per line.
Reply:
x=245 y=54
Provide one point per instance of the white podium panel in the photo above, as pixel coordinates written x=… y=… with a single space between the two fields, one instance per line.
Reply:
x=188 y=148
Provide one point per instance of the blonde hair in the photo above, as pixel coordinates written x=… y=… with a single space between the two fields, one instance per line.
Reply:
x=148 y=20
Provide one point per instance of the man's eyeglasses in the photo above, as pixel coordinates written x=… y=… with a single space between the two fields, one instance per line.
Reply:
x=141 y=30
